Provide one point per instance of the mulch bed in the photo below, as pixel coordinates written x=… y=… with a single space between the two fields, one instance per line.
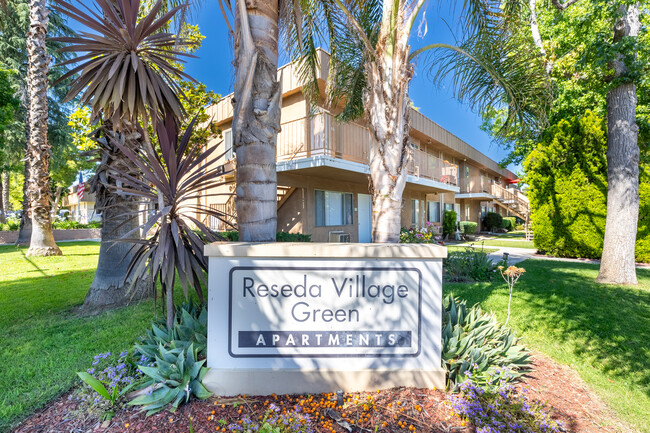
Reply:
x=397 y=410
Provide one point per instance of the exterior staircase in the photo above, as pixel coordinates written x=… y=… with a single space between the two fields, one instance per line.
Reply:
x=515 y=203
x=284 y=192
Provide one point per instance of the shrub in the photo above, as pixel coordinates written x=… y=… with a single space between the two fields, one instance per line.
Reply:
x=12 y=224
x=468 y=265
x=475 y=342
x=502 y=409
x=493 y=221
x=468 y=227
x=567 y=174
x=233 y=236
x=73 y=225
x=509 y=223
x=175 y=377
x=449 y=223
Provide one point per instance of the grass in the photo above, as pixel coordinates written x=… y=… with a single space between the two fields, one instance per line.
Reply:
x=44 y=342
x=601 y=331
x=506 y=243
x=451 y=248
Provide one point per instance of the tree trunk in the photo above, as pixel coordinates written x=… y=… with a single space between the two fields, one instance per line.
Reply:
x=387 y=102
x=3 y=219
x=57 y=200
x=42 y=239
x=5 y=191
x=110 y=287
x=617 y=264
x=256 y=123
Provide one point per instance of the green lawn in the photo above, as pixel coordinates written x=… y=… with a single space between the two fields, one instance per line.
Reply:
x=457 y=248
x=44 y=342
x=506 y=243
x=603 y=332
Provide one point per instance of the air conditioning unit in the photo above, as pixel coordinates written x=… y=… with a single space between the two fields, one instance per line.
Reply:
x=339 y=237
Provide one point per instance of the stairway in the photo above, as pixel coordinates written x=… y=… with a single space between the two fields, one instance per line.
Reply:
x=284 y=192
x=515 y=203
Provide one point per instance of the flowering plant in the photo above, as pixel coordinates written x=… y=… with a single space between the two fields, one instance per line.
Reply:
x=275 y=422
x=108 y=380
x=420 y=235
x=501 y=409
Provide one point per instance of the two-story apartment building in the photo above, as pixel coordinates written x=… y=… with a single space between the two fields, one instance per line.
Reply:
x=322 y=168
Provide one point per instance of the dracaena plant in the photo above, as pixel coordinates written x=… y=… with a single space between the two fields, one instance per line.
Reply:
x=173 y=178
x=127 y=64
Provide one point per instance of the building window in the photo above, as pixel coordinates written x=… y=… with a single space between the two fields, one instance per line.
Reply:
x=415 y=212
x=433 y=211
x=333 y=208
x=449 y=206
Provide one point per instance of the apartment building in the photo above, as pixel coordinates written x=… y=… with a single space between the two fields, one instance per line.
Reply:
x=322 y=167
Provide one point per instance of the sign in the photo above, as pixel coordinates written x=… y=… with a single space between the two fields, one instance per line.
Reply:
x=279 y=311
x=317 y=317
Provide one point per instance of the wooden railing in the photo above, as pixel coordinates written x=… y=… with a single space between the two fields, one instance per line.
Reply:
x=515 y=201
x=321 y=134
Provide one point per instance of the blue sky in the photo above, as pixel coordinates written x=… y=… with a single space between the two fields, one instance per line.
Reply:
x=214 y=69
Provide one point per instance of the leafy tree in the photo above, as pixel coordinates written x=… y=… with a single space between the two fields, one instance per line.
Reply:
x=371 y=66
x=598 y=53
x=8 y=106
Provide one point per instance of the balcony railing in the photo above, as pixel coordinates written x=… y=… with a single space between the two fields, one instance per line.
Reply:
x=321 y=134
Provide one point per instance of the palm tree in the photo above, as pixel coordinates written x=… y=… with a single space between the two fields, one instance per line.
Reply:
x=257 y=103
x=126 y=73
x=371 y=68
x=38 y=151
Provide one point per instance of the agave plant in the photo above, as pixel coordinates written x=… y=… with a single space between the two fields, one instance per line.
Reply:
x=475 y=344
x=175 y=378
x=174 y=179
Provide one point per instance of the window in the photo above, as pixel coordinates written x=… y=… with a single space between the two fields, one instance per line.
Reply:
x=433 y=211
x=457 y=209
x=415 y=212
x=333 y=208
x=227 y=141
x=449 y=206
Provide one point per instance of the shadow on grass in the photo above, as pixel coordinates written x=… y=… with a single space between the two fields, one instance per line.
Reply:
x=606 y=326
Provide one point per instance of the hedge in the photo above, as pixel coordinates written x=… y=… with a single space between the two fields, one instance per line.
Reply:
x=449 y=222
x=567 y=175
x=468 y=227
x=233 y=236
x=509 y=223
x=493 y=221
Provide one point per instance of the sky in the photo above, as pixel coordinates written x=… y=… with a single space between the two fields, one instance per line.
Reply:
x=213 y=67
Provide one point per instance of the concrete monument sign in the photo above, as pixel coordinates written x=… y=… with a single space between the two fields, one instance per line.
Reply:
x=315 y=317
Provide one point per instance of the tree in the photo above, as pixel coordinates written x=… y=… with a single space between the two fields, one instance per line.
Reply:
x=125 y=77
x=38 y=150
x=598 y=54
x=371 y=68
x=14 y=25
x=8 y=106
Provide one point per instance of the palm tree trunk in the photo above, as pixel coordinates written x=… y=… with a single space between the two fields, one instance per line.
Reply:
x=256 y=123
x=38 y=152
x=387 y=102
x=110 y=287
x=617 y=264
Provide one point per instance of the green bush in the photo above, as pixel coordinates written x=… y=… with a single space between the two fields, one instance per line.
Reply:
x=475 y=342
x=509 y=223
x=493 y=221
x=72 y=225
x=449 y=222
x=468 y=227
x=468 y=265
x=233 y=236
x=567 y=174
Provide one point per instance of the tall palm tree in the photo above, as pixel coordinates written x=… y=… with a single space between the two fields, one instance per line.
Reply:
x=38 y=151
x=126 y=70
x=371 y=67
